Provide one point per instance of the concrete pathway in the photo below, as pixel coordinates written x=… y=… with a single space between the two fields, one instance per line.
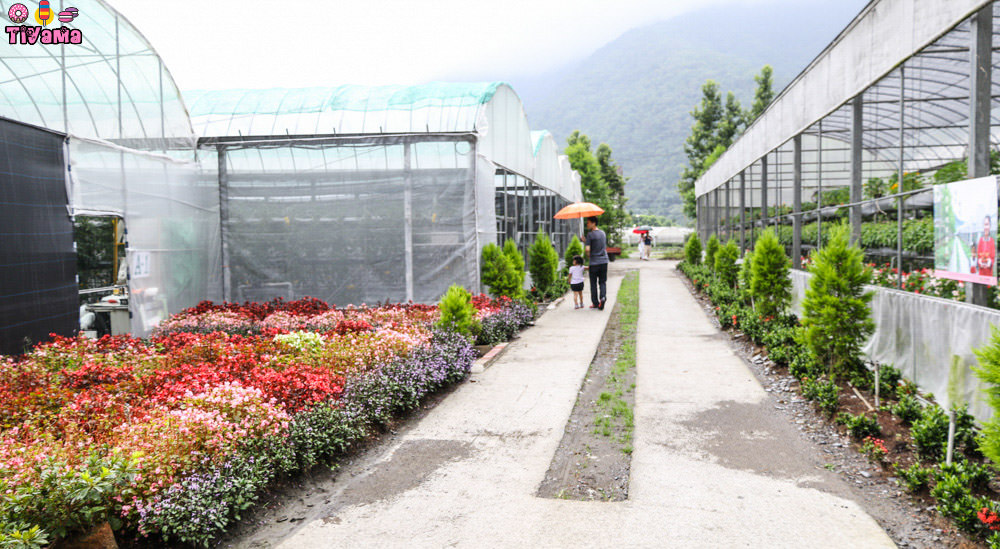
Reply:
x=710 y=468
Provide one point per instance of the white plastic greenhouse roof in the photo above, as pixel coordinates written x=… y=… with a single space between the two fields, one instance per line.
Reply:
x=492 y=110
x=115 y=86
x=928 y=39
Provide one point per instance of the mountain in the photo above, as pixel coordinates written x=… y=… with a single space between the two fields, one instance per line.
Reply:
x=636 y=92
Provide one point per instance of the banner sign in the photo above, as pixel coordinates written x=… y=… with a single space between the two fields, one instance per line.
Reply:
x=965 y=230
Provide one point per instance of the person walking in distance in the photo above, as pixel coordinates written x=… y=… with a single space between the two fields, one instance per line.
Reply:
x=596 y=245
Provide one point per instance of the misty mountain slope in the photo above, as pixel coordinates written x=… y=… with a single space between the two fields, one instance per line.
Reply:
x=636 y=92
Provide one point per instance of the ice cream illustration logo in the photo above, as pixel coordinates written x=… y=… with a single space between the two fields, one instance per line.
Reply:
x=44 y=16
x=18 y=13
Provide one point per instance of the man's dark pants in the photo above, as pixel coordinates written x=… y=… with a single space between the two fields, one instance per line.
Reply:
x=598 y=273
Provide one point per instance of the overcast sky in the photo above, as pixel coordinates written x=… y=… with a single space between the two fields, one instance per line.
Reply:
x=270 y=43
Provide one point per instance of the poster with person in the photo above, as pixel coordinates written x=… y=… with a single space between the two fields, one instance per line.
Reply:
x=965 y=230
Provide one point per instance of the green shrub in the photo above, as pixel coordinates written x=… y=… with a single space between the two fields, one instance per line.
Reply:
x=803 y=365
x=711 y=247
x=692 y=250
x=770 y=284
x=516 y=261
x=908 y=409
x=725 y=264
x=989 y=372
x=575 y=248
x=860 y=426
x=825 y=394
x=955 y=501
x=930 y=433
x=498 y=274
x=973 y=475
x=835 y=311
x=543 y=261
x=888 y=381
x=559 y=287
x=457 y=312
x=915 y=477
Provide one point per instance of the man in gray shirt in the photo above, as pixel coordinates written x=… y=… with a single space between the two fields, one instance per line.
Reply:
x=596 y=245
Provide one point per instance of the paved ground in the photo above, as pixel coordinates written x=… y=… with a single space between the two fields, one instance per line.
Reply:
x=710 y=468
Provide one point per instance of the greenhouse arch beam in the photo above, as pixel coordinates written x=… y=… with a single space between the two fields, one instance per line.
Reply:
x=883 y=36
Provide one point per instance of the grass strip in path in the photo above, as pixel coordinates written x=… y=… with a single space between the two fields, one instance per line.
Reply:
x=594 y=456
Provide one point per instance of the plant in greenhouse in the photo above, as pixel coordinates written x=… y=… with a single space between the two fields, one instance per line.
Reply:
x=725 y=263
x=692 y=250
x=498 y=274
x=574 y=249
x=542 y=263
x=711 y=247
x=457 y=312
x=517 y=262
x=770 y=284
x=835 y=310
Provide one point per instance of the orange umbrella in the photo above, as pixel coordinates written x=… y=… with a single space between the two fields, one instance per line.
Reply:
x=578 y=209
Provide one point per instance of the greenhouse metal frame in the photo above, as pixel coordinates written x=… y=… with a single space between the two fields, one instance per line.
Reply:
x=908 y=87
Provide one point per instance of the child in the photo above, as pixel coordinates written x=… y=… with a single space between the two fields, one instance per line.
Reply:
x=576 y=281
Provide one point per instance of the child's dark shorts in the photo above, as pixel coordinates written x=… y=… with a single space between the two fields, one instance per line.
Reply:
x=576 y=287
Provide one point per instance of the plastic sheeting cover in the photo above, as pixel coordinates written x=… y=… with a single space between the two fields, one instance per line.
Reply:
x=171 y=218
x=930 y=340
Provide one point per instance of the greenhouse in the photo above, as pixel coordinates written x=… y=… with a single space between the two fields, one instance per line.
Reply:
x=349 y=194
x=904 y=94
x=357 y=194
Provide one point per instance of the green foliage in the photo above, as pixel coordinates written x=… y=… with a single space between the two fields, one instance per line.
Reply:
x=918 y=235
x=575 y=248
x=746 y=278
x=457 y=312
x=835 y=310
x=930 y=433
x=770 y=284
x=711 y=247
x=989 y=372
x=803 y=365
x=65 y=500
x=953 y=492
x=725 y=263
x=692 y=250
x=95 y=246
x=516 y=261
x=615 y=217
x=600 y=181
x=498 y=274
x=888 y=381
x=860 y=426
x=543 y=261
x=908 y=409
x=824 y=393
x=915 y=477
x=764 y=93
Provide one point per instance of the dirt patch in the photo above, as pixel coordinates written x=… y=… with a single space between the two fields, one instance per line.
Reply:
x=911 y=520
x=592 y=463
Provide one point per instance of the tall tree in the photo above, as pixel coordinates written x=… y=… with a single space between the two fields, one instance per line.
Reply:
x=764 y=94
x=582 y=159
x=617 y=217
x=701 y=142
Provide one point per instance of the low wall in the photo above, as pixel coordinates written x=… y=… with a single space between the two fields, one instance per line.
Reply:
x=929 y=339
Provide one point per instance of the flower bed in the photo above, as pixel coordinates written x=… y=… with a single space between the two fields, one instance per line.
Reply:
x=177 y=435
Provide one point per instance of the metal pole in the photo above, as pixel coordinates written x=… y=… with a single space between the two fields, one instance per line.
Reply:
x=980 y=73
x=819 y=187
x=715 y=212
x=224 y=222
x=118 y=76
x=857 y=115
x=899 y=178
x=797 y=202
x=763 y=193
x=408 y=220
x=743 y=210
x=728 y=215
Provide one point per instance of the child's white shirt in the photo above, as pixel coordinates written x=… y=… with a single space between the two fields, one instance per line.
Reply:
x=576 y=274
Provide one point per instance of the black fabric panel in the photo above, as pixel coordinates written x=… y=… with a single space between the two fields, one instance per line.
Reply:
x=38 y=289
